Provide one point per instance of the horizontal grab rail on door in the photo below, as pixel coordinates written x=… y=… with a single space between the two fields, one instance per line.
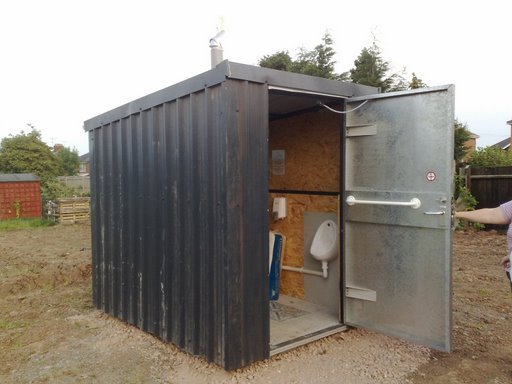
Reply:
x=414 y=203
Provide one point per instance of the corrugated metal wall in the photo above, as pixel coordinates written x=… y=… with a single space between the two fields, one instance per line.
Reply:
x=179 y=220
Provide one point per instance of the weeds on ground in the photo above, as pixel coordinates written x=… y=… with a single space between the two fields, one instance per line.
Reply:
x=12 y=224
x=6 y=325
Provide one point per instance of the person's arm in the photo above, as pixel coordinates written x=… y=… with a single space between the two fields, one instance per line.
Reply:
x=484 y=216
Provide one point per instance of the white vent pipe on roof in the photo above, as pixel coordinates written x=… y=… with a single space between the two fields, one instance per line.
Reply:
x=216 y=50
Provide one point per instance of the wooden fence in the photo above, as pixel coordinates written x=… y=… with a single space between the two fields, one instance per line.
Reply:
x=72 y=210
x=491 y=186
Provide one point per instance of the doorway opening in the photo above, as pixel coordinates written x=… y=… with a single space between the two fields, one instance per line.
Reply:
x=305 y=142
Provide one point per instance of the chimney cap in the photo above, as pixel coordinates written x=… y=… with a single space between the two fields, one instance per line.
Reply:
x=214 y=42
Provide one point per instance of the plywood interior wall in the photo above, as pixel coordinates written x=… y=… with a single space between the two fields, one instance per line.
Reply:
x=312 y=145
x=311 y=142
x=292 y=283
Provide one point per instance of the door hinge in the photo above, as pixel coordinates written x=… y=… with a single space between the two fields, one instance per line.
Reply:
x=361 y=293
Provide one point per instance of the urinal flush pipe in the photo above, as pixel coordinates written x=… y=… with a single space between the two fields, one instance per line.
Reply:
x=325 y=266
x=323 y=273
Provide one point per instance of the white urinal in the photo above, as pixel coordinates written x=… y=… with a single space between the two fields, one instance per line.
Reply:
x=324 y=247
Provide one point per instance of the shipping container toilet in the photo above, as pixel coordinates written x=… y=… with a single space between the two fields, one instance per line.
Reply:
x=182 y=189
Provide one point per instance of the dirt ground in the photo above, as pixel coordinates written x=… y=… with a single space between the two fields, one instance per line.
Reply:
x=50 y=333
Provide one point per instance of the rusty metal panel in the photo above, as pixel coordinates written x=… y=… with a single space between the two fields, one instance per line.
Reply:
x=179 y=221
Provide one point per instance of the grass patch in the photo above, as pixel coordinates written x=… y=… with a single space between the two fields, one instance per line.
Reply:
x=23 y=270
x=12 y=224
x=49 y=288
x=6 y=325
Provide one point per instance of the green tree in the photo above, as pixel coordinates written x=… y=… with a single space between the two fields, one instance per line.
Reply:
x=399 y=82
x=280 y=60
x=371 y=69
x=461 y=136
x=416 y=82
x=27 y=153
x=317 y=62
x=464 y=200
x=69 y=161
x=491 y=157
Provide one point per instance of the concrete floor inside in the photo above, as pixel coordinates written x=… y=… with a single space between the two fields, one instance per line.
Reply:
x=295 y=322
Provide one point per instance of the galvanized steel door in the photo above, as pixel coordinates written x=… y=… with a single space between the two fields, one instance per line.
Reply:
x=397 y=211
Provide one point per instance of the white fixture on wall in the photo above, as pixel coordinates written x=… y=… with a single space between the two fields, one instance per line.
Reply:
x=324 y=247
x=279 y=208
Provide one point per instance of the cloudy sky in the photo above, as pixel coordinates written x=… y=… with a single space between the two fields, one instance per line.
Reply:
x=63 y=62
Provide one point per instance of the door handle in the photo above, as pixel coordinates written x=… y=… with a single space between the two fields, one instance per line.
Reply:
x=414 y=203
x=440 y=213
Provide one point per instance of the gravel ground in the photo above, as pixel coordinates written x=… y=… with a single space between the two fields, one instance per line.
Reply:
x=50 y=333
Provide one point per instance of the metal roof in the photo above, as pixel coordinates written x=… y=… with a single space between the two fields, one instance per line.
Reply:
x=290 y=92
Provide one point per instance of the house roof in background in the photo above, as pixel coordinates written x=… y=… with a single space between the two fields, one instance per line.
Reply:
x=85 y=158
x=15 y=177
x=503 y=144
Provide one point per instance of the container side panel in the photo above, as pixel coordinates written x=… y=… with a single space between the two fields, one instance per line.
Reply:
x=187 y=197
x=152 y=219
x=106 y=227
x=247 y=289
x=206 y=203
x=179 y=221
x=195 y=113
x=113 y=222
x=103 y=261
x=131 y=213
x=159 y=215
x=215 y=232
x=194 y=249
x=256 y=314
x=174 y=276
x=162 y=227
x=121 y=158
x=96 y=243
x=140 y=231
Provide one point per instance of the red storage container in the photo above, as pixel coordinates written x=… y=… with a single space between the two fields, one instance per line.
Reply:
x=20 y=196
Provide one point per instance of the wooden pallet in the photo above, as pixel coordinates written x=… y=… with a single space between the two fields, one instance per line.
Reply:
x=73 y=210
